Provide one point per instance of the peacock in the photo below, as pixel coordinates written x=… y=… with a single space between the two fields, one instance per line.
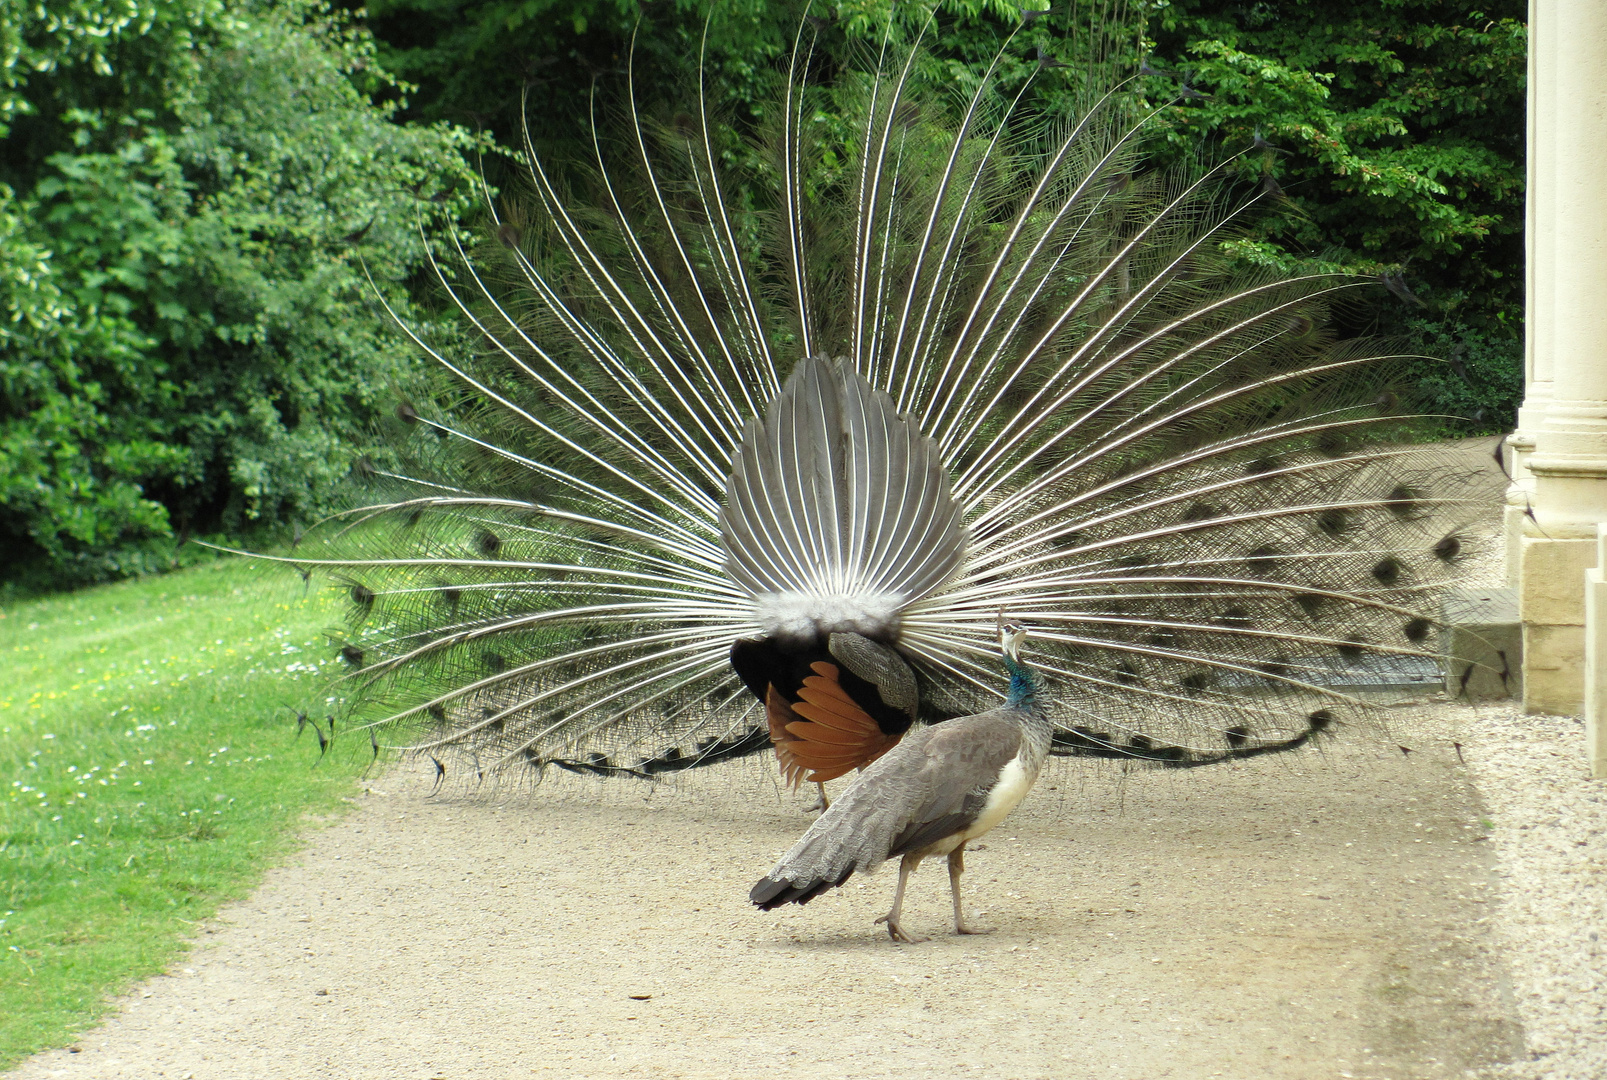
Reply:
x=758 y=432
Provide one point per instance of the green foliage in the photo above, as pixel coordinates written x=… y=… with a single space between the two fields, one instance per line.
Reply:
x=1393 y=143
x=190 y=338
x=193 y=195
x=147 y=776
x=514 y=64
x=475 y=62
x=1475 y=383
x=1393 y=131
x=56 y=340
x=61 y=55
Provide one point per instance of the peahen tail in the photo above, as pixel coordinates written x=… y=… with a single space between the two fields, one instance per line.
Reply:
x=826 y=418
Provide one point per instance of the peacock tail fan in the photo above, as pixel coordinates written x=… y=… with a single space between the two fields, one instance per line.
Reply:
x=1162 y=457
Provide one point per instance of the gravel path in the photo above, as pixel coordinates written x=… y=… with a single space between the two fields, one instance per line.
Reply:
x=1550 y=843
x=1351 y=914
x=1320 y=917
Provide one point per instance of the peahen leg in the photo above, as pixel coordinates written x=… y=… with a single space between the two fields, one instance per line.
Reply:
x=893 y=919
x=956 y=868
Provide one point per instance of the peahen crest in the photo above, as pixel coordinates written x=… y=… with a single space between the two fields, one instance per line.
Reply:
x=950 y=356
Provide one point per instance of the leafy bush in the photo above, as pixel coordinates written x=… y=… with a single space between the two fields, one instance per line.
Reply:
x=191 y=339
x=193 y=196
x=474 y=61
x=1390 y=137
x=1475 y=385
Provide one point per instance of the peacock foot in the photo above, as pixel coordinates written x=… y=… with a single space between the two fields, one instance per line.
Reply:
x=972 y=928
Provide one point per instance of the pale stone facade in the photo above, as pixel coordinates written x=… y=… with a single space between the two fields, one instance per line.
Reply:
x=1559 y=494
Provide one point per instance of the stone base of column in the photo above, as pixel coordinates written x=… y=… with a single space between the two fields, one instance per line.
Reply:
x=1519 y=498
x=1596 y=659
x=1551 y=598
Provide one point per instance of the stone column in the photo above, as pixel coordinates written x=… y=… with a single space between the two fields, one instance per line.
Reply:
x=1536 y=351
x=1596 y=659
x=1560 y=489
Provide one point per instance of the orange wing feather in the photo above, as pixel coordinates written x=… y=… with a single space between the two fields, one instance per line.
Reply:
x=824 y=734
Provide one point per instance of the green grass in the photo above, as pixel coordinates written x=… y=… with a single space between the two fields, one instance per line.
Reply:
x=151 y=772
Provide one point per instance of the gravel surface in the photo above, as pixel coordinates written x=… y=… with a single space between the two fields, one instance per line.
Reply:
x=1323 y=916
x=1352 y=914
x=1550 y=843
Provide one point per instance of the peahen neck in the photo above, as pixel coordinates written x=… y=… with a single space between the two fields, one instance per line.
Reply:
x=1023 y=693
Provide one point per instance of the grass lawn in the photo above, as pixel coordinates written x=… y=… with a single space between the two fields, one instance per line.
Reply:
x=151 y=771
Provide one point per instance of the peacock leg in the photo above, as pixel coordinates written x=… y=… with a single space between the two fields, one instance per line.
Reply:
x=822 y=804
x=895 y=926
x=956 y=868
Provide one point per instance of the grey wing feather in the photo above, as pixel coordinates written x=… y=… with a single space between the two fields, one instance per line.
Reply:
x=930 y=786
x=922 y=834
x=878 y=665
x=966 y=763
x=838 y=511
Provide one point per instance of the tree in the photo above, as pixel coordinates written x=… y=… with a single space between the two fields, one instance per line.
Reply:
x=1387 y=137
x=199 y=221
x=1390 y=136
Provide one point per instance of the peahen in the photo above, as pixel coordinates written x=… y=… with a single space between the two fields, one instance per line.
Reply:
x=941 y=788
x=741 y=467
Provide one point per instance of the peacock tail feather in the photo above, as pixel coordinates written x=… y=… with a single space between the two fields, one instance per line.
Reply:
x=935 y=357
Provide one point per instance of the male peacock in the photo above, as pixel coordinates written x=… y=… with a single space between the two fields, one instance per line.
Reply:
x=724 y=474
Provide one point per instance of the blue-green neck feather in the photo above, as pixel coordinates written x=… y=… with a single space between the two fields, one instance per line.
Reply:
x=1023 y=684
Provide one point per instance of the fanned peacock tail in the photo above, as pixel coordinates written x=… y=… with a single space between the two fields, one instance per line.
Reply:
x=1163 y=460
